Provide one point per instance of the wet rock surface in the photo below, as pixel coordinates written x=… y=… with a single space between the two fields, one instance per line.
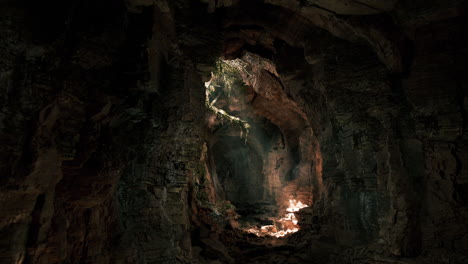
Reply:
x=106 y=156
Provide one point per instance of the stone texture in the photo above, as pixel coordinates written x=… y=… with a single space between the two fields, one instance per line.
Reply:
x=102 y=130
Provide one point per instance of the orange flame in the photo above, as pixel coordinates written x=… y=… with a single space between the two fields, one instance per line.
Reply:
x=288 y=222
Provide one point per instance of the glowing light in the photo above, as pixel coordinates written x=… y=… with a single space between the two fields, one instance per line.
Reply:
x=295 y=206
x=288 y=223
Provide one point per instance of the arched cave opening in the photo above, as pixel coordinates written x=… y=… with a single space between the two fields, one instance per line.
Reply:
x=253 y=161
x=137 y=131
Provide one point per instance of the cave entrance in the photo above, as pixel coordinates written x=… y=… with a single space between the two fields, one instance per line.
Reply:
x=255 y=160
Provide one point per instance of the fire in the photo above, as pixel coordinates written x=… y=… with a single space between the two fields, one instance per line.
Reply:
x=295 y=206
x=288 y=223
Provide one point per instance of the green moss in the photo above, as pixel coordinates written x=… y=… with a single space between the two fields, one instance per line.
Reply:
x=224 y=206
x=224 y=79
x=200 y=171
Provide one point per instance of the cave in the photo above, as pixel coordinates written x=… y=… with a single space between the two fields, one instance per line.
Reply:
x=234 y=131
x=260 y=147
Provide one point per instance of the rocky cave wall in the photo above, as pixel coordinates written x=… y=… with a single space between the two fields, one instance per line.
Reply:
x=100 y=134
x=103 y=108
x=375 y=105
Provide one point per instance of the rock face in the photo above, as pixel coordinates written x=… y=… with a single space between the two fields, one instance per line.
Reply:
x=106 y=156
x=86 y=176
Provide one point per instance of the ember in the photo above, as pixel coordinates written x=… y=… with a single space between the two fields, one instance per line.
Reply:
x=282 y=227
